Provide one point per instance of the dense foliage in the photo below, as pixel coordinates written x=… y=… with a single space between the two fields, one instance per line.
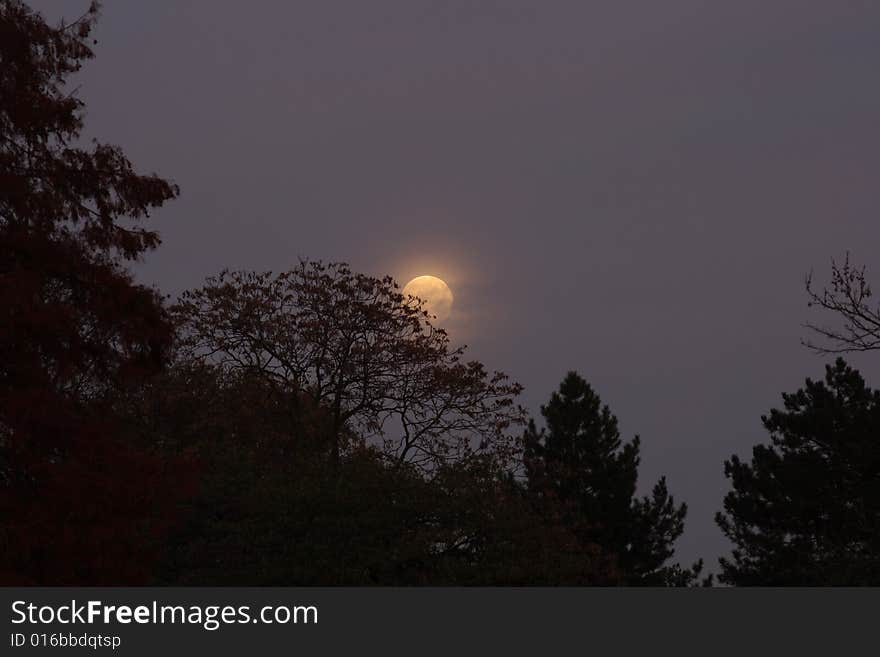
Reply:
x=74 y=327
x=313 y=427
x=580 y=465
x=806 y=509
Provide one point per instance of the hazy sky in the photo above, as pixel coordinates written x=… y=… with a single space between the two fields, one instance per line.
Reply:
x=630 y=188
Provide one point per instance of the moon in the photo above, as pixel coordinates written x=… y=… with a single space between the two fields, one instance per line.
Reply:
x=434 y=292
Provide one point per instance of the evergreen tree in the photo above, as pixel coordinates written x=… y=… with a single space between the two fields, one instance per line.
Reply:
x=78 y=503
x=806 y=510
x=579 y=465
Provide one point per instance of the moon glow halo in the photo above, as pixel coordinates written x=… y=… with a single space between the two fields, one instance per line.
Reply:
x=434 y=292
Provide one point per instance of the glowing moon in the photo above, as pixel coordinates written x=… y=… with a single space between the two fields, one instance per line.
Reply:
x=434 y=292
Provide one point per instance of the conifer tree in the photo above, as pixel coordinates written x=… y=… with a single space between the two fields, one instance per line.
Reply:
x=806 y=509
x=78 y=503
x=580 y=465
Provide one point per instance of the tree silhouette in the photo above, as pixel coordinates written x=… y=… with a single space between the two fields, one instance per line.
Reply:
x=806 y=509
x=580 y=465
x=345 y=442
x=357 y=348
x=74 y=327
x=272 y=508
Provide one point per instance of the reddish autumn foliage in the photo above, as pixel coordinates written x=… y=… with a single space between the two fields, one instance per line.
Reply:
x=78 y=503
x=355 y=346
x=341 y=438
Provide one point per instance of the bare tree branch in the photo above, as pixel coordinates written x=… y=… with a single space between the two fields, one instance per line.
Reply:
x=848 y=297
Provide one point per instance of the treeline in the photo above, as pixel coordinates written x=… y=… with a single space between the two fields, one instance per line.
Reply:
x=313 y=428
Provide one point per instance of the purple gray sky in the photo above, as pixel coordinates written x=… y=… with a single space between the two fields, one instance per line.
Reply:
x=629 y=188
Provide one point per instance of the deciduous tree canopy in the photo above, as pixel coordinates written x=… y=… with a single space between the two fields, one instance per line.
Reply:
x=356 y=347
